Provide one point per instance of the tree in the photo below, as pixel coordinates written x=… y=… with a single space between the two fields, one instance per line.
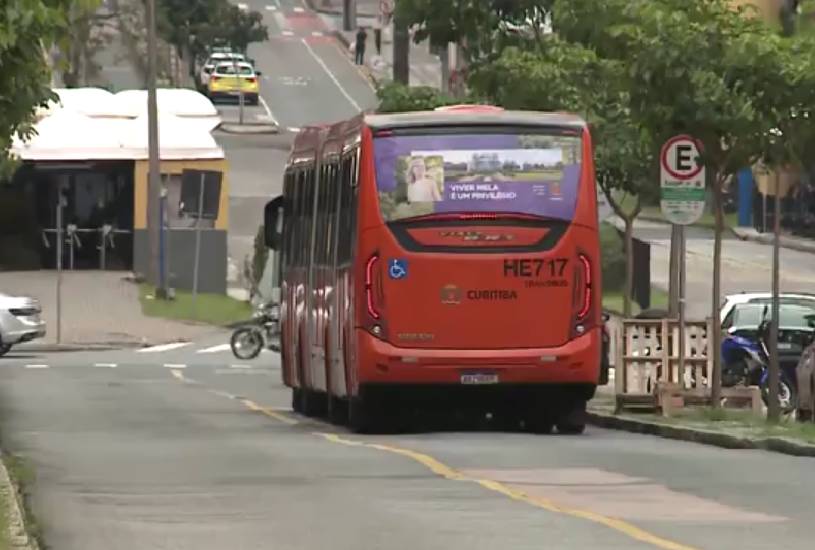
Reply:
x=28 y=30
x=789 y=136
x=194 y=25
x=395 y=97
x=691 y=71
x=78 y=47
x=564 y=77
x=464 y=22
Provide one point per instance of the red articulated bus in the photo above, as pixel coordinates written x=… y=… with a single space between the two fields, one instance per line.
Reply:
x=449 y=255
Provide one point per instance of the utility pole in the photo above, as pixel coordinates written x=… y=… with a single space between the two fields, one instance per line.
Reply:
x=773 y=408
x=401 y=50
x=349 y=15
x=154 y=162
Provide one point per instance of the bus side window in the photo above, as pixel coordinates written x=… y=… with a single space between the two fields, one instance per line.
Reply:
x=302 y=197
x=321 y=221
x=344 y=244
x=308 y=217
x=287 y=214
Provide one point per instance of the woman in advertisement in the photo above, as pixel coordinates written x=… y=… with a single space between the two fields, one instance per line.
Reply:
x=421 y=187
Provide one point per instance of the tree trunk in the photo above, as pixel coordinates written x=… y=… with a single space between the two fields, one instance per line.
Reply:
x=629 y=265
x=716 y=375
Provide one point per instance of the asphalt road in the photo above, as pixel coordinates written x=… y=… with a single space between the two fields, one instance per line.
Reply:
x=746 y=266
x=183 y=447
x=306 y=79
x=187 y=448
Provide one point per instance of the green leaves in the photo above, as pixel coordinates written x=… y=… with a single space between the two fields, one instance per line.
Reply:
x=28 y=28
x=395 y=97
x=200 y=23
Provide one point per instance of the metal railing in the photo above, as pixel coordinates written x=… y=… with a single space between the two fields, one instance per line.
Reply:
x=73 y=238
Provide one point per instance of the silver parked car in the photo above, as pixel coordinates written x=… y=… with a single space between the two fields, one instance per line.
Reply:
x=20 y=321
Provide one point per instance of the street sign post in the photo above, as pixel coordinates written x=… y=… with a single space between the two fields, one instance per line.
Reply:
x=200 y=198
x=682 y=200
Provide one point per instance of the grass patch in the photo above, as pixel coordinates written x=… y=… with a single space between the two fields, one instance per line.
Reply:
x=214 y=309
x=613 y=301
x=21 y=474
x=707 y=220
x=739 y=422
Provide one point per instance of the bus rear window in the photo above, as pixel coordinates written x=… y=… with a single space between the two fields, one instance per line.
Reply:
x=535 y=174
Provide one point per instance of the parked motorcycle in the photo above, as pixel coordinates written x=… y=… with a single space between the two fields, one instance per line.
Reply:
x=746 y=362
x=249 y=340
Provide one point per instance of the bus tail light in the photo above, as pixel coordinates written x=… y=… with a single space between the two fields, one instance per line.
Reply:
x=585 y=308
x=369 y=286
x=584 y=296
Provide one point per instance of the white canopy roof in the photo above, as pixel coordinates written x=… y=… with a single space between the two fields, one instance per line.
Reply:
x=68 y=135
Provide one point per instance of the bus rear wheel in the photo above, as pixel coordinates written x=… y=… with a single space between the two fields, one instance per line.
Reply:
x=572 y=419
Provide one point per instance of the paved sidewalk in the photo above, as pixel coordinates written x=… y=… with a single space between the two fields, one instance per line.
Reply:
x=365 y=8
x=425 y=68
x=99 y=308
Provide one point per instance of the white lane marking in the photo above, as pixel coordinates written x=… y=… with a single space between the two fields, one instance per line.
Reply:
x=164 y=347
x=223 y=394
x=105 y=365
x=215 y=349
x=287 y=33
x=240 y=366
x=268 y=110
x=316 y=33
x=37 y=366
x=331 y=75
x=298 y=9
x=293 y=129
x=175 y=366
x=243 y=7
x=271 y=8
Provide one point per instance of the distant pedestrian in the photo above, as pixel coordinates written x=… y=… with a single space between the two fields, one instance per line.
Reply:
x=359 y=47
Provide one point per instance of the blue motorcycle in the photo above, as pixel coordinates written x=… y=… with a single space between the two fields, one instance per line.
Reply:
x=746 y=362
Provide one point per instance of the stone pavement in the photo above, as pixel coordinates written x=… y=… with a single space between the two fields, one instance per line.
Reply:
x=98 y=308
x=425 y=68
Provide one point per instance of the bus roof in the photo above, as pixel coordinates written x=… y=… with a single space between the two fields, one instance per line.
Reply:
x=473 y=117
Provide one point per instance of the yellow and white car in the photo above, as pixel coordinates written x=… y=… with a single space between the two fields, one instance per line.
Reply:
x=229 y=79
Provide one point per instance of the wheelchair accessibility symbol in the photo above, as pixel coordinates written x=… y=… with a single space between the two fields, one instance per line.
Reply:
x=397 y=269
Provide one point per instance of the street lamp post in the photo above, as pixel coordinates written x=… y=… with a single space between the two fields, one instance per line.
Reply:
x=154 y=162
x=240 y=89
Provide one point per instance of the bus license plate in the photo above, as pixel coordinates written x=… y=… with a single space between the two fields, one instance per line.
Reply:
x=480 y=378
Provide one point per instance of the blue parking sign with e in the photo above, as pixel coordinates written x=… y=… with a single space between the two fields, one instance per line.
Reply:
x=397 y=268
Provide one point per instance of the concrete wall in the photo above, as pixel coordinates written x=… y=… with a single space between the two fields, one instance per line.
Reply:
x=181 y=253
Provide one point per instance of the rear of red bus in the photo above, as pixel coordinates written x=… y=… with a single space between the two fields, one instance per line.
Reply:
x=478 y=264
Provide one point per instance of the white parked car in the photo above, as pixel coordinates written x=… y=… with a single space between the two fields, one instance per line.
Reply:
x=732 y=300
x=214 y=60
x=20 y=321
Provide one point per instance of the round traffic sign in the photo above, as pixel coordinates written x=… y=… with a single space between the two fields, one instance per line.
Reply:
x=679 y=157
x=682 y=180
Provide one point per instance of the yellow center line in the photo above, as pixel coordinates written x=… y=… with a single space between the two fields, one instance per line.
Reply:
x=271 y=413
x=443 y=470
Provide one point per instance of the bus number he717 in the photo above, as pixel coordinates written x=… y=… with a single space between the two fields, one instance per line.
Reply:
x=535 y=267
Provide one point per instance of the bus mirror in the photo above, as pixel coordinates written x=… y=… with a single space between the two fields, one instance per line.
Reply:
x=272 y=216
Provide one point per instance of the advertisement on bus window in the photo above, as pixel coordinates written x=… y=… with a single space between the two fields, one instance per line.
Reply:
x=527 y=174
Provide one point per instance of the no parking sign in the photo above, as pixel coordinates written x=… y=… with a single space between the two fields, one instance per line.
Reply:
x=682 y=180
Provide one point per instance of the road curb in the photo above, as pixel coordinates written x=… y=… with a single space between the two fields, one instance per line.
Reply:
x=18 y=535
x=248 y=128
x=706 y=437
x=734 y=232
x=312 y=4
x=53 y=348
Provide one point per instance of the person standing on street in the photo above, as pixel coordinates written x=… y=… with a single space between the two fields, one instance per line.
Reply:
x=359 y=47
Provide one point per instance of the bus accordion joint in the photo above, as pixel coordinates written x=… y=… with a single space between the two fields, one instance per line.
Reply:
x=369 y=290
x=586 y=303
